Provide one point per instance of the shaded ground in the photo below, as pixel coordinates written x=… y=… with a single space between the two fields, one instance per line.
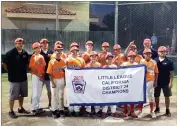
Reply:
x=46 y=120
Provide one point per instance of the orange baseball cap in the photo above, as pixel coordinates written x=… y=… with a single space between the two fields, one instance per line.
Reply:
x=89 y=42
x=105 y=44
x=36 y=45
x=74 y=48
x=74 y=44
x=109 y=55
x=19 y=40
x=44 y=40
x=147 y=51
x=59 y=43
x=117 y=46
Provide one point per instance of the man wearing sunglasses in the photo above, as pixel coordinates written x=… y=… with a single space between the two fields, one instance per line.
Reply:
x=15 y=63
x=46 y=53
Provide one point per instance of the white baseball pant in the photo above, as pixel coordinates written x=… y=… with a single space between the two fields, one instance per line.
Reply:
x=113 y=109
x=88 y=109
x=57 y=102
x=36 y=91
x=150 y=91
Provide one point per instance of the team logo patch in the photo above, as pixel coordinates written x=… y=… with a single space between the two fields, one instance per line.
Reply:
x=24 y=56
x=79 y=84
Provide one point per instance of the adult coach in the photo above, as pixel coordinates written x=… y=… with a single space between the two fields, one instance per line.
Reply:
x=15 y=63
x=147 y=45
x=46 y=54
x=165 y=79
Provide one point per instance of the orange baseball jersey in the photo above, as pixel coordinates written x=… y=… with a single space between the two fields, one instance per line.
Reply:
x=56 y=68
x=86 y=57
x=128 y=64
x=110 y=66
x=118 y=60
x=102 y=58
x=75 y=63
x=63 y=55
x=152 y=69
x=37 y=62
x=93 y=65
x=138 y=58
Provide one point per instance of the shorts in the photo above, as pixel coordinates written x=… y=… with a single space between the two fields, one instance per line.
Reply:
x=18 y=89
x=47 y=84
x=166 y=91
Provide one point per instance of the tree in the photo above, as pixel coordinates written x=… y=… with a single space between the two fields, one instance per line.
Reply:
x=109 y=21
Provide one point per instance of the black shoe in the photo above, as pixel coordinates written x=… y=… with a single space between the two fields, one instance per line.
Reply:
x=86 y=114
x=55 y=115
x=157 y=110
x=62 y=113
x=12 y=115
x=23 y=111
x=76 y=114
x=168 y=113
x=38 y=111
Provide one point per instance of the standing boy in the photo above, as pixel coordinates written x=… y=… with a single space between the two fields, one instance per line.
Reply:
x=151 y=80
x=57 y=81
x=37 y=67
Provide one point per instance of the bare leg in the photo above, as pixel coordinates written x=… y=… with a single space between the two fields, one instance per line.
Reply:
x=11 y=105
x=20 y=100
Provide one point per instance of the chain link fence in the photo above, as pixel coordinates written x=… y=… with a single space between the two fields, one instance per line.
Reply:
x=136 y=21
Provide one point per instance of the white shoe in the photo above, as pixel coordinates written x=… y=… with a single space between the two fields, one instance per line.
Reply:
x=140 y=114
x=153 y=115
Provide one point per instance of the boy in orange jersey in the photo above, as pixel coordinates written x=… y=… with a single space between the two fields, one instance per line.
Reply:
x=75 y=62
x=103 y=54
x=57 y=81
x=37 y=66
x=63 y=55
x=131 y=61
x=119 y=58
x=109 y=64
x=89 y=48
x=133 y=48
x=151 y=80
x=74 y=44
x=93 y=64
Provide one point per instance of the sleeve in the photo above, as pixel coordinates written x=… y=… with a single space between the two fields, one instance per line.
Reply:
x=6 y=58
x=27 y=58
x=83 y=64
x=156 y=69
x=50 y=67
x=31 y=63
x=171 y=66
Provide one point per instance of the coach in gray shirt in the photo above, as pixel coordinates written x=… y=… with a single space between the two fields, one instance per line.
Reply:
x=15 y=63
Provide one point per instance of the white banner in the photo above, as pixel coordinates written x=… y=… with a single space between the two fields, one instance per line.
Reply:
x=98 y=86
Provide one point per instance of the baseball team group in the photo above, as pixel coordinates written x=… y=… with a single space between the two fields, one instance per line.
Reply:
x=47 y=68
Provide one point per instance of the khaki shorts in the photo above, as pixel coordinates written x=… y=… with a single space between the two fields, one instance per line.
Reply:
x=18 y=89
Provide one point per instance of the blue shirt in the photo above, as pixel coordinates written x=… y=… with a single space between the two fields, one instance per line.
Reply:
x=164 y=67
